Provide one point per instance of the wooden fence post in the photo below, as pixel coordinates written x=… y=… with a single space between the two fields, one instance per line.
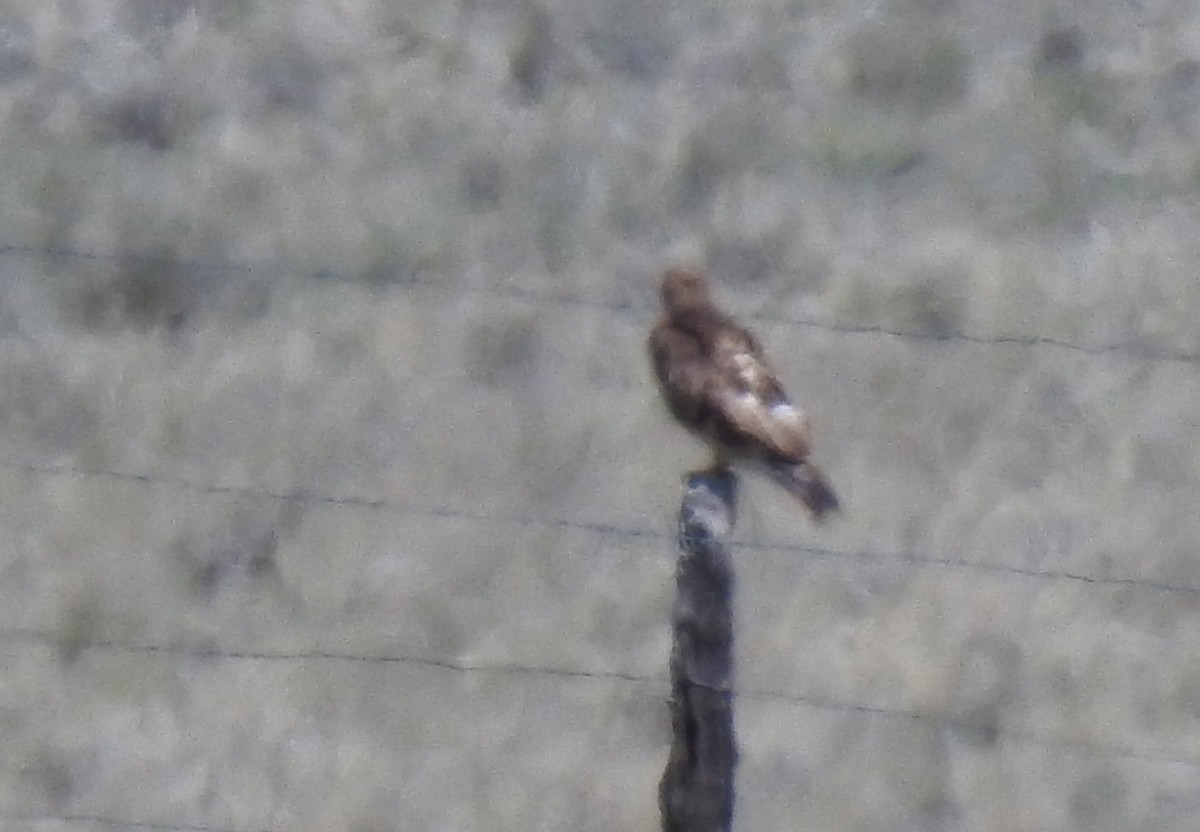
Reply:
x=696 y=791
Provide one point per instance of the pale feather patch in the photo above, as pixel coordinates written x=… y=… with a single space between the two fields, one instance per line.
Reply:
x=791 y=415
x=785 y=412
x=749 y=369
x=780 y=426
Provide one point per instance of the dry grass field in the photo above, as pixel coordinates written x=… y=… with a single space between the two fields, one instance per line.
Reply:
x=336 y=493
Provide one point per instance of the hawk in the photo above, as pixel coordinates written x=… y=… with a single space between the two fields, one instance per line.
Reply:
x=718 y=384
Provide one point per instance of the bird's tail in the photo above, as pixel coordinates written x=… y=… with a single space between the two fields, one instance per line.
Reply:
x=808 y=484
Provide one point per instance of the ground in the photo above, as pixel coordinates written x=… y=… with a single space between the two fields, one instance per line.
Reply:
x=338 y=494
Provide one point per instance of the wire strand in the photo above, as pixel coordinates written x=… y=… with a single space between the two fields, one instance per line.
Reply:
x=818 y=702
x=607 y=529
x=114 y=823
x=1139 y=352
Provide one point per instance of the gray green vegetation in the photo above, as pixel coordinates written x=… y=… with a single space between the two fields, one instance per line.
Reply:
x=359 y=289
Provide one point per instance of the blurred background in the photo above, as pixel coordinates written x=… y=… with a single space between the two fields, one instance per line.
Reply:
x=337 y=494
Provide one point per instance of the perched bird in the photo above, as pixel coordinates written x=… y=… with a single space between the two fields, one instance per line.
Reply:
x=718 y=384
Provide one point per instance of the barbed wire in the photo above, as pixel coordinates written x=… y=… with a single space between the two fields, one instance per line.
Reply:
x=815 y=701
x=1139 y=352
x=418 y=510
x=116 y=823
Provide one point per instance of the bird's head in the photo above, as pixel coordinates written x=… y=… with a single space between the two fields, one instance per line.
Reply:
x=684 y=288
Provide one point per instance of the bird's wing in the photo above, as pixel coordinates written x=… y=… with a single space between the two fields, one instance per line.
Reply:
x=683 y=372
x=751 y=398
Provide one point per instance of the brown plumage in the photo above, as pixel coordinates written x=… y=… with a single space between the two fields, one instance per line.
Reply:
x=718 y=384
